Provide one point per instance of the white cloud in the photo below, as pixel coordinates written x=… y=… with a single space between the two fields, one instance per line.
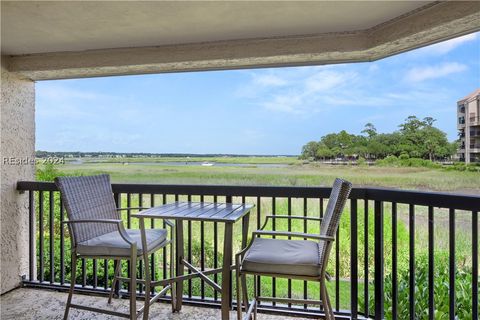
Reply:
x=373 y=67
x=307 y=88
x=449 y=45
x=290 y=102
x=268 y=80
x=418 y=74
x=327 y=80
x=55 y=100
x=58 y=92
x=73 y=138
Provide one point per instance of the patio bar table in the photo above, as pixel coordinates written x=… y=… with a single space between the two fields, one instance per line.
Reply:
x=226 y=213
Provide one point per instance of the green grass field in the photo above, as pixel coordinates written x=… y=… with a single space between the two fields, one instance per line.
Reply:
x=296 y=174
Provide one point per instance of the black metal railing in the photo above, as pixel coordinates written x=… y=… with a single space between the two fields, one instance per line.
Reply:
x=376 y=268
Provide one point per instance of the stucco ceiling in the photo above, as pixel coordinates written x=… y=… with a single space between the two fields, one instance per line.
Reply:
x=70 y=39
x=43 y=26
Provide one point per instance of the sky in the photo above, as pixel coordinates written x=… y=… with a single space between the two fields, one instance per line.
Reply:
x=256 y=111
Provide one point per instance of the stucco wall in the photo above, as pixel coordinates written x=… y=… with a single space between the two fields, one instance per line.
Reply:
x=17 y=136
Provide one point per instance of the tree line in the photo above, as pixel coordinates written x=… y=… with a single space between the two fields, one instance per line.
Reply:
x=416 y=138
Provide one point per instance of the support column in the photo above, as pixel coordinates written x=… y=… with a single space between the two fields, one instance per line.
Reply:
x=17 y=151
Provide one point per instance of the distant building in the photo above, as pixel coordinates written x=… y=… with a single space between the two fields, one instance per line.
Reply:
x=468 y=125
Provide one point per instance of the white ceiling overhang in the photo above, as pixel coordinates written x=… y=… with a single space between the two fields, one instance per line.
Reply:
x=51 y=40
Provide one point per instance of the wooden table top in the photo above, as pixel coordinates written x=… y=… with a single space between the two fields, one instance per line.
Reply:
x=197 y=211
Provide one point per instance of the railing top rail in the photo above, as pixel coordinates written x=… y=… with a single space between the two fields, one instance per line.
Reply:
x=423 y=198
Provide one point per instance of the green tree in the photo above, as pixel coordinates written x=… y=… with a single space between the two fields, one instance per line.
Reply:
x=309 y=150
x=324 y=152
x=434 y=141
x=422 y=140
x=370 y=130
x=415 y=139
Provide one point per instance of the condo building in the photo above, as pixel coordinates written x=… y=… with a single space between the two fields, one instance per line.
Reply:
x=468 y=125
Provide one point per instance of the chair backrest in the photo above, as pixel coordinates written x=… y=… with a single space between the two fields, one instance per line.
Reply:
x=88 y=197
x=329 y=225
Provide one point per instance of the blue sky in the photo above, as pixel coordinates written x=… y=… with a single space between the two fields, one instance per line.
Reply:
x=258 y=111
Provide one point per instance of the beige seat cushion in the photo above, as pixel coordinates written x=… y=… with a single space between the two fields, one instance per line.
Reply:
x=112 y=244
x=289 y=257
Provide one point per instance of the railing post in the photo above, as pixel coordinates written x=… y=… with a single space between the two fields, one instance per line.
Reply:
x=32 y=242
x=365 y=254
x=394 y=262
x=474 y=264
x=411 y=260
x=452 y=267
x=353 y=259
x=379 y=261
x=118 y=203
x=431 y=264
x=228 y=199
x=41 y=236
x=62 y=243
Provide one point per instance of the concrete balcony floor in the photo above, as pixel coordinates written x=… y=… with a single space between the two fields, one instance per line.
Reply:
x=48 y=304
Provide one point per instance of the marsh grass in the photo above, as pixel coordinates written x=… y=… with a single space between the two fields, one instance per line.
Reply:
x=293 y=175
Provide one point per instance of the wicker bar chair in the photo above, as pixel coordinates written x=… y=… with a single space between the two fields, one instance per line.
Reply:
x=96 y=231
x=291 y=259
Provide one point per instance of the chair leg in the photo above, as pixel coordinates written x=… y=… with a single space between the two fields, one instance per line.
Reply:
x=326 y=302
x=72 y=285
x=115 y=279
x=239 y=301
x=255 y=284
x=146 y=309
x=133 y=283
x=243 y=279
x=332 y=315
x=173 y=285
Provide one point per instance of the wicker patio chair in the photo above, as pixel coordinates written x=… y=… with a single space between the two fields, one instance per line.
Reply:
x=96 y=231
x=291 y=259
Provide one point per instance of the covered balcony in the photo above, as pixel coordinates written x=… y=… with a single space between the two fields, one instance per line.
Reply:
x=68 y=40
x=372 y=216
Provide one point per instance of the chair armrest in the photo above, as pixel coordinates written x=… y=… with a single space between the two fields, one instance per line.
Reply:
x=169 y=223
x=110 y=221
x=282 y=216
x=119 y=224
x=293 y=234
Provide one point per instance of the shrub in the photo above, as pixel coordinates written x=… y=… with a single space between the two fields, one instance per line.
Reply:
x=404 y=156
x=47 y=172
x=405 y=161
x=463 y=289
x=472 y=167
x=460 y=166
x=361 y=162
x=388 y=161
